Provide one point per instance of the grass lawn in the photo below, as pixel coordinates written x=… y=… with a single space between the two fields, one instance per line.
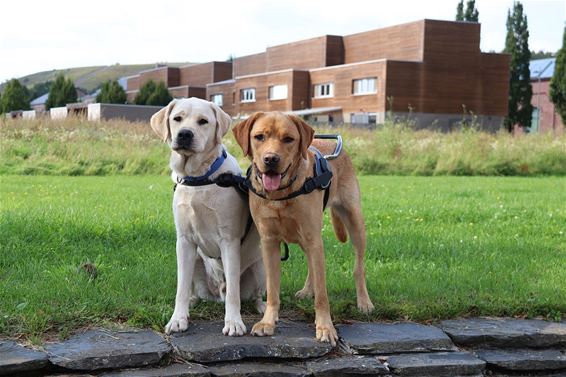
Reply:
x=438 y=247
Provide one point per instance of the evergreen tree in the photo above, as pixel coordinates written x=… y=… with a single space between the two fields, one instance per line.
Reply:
x=558 y=82
x=471 y=14
x=520 y=90
x=145 y=91
x=153 y=94
x=62 y=92
x=460 y=11
x=14 y=97
x=111 y=92
x=160 y=97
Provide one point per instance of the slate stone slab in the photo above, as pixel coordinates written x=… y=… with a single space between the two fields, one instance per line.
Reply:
x=436 y=364
x=386 y=338
x=173 y=370
x=205 y=343
x=524 y=359
x=17 y=359
x=101 y=349
x=259 y=369
x=350 y=365
x=506 y=332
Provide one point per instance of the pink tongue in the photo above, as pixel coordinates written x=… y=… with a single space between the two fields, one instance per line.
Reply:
x=271 y=182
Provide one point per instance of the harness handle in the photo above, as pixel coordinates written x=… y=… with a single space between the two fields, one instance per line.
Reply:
x=338 y=148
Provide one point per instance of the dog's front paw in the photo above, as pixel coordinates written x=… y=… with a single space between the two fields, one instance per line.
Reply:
x=263 y=329
x=177 y=323
x=327 y=334
x=234 y=328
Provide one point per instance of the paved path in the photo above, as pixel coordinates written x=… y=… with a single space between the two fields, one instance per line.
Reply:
x=468 y=347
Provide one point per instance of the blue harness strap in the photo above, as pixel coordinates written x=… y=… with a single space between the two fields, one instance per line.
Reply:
x=203 y=180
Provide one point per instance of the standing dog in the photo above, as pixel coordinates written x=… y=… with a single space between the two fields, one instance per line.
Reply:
x=210 y=220
x=278 y=145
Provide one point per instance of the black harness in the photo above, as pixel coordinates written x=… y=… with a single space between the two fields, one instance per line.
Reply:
x=321 y=180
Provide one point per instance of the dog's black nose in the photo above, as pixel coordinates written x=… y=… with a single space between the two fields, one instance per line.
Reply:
x=270 y=160
x=185 y=135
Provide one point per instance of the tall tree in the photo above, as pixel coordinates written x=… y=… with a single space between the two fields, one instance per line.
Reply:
x=558 y=82
x=160 y=96
x=111 y=92
x=14 y=97
x=460 y=11
x=471 y=14
x=520 y=90
x=145 y=91
x=40 y=89
x=62 y=92
x=153 y=94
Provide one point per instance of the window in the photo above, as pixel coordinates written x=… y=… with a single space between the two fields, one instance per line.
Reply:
x=365 y=86
x=277 y=92
x=247 y=95
x=324 y=90
x=217 y=99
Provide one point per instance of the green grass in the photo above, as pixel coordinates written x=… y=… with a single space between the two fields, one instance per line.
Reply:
x=438 y=247
x=78 y=147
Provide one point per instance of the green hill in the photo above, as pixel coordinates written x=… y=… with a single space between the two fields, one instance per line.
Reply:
x=90 y=78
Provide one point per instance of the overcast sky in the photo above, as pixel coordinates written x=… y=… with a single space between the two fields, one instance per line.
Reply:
x=44 y=35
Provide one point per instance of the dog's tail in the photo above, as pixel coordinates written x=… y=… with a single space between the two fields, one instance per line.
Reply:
x=339 y=228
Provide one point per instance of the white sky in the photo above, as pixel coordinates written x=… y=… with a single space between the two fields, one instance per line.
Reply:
x=52 y=34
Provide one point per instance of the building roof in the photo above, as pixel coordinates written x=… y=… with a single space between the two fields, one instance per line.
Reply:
x=542 y=68
x=39 y=100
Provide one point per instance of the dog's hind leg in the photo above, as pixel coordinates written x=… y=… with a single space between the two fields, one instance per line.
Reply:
x=252 y=285
x=351 y=216
x=307 y=291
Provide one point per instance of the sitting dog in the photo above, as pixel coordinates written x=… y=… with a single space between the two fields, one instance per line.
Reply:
x=214 y=238
x=278 y=146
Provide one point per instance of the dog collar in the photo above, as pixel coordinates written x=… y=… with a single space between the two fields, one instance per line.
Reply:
x=203 y=180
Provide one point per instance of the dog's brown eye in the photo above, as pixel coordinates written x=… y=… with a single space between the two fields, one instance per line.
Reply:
x=258 y=137
x=288 y=140
x=202 y=122
x=177 y=119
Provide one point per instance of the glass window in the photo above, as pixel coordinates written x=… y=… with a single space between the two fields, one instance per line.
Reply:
x=277 y=92
x=324 y=90
x=217 y=99
x=247 y=95
x=365 y=86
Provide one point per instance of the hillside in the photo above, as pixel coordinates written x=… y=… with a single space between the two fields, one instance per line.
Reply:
x=90 y=78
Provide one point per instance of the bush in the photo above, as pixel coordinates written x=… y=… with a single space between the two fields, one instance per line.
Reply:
x=14 y=97
x=111 y=92
x=62 y=92
x=153 y=94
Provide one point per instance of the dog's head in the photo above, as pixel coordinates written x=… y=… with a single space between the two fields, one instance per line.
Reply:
x=191 y=125
x=276 y=144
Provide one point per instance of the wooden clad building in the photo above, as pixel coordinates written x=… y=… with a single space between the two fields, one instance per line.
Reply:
x=431 y=72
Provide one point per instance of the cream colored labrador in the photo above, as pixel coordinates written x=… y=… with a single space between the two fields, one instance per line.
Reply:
x=210 y=220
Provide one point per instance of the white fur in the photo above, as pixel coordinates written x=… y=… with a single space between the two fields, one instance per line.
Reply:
x=209 y=220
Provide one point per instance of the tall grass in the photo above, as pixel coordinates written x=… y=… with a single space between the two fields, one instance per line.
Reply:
x=77 y=147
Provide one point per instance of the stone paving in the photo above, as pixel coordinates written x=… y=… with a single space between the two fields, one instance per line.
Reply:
x=467 y=347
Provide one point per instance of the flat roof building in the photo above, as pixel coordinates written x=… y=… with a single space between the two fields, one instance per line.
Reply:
x=431 y=72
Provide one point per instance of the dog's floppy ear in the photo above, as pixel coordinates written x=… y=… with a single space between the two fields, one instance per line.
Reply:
x=306 y=133
x=223 y=122
x=242 y=132
x=160 y=121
